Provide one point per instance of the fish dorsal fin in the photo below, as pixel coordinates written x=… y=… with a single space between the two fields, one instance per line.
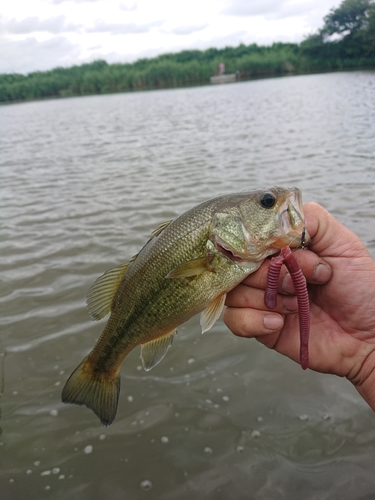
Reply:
x=212 y=313
x=161 y=228
x=154 y=351
x=192 y=267
x=101 y=294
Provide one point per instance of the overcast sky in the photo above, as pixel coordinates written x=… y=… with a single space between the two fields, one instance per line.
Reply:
x=42 y=34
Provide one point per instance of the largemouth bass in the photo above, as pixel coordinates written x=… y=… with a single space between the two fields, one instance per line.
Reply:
x=187 y=267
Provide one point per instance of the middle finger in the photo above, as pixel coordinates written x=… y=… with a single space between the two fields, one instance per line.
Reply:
x=246 y=296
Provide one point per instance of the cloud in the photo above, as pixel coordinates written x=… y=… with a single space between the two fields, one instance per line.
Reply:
x=187 y=30
x=24 y=56
x=57 y=2
x=253 y=8
x=28 y=25
x=95 y=47
x=277 y=9
x=122 y=28
x=128 y=8
x=221 y=41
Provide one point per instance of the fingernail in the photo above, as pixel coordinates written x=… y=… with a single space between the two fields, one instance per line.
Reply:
x=322 y=273
x=273 y=321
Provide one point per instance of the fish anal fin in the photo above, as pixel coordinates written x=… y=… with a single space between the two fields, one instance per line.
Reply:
x=154 y=351
x=161 y=228
x=212 y=313
x=192 y=267
x=100 y=296
x=97 y=390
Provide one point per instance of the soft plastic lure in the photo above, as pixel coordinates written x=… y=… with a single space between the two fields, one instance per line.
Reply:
x=270 y=298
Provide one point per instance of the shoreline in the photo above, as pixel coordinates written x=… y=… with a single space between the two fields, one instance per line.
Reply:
x=201 y=83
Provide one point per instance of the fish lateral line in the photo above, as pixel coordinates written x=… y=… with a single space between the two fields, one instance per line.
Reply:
x=230 y=236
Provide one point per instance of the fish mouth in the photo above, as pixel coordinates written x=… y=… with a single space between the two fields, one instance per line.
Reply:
x=293 y=222
x=227 y=252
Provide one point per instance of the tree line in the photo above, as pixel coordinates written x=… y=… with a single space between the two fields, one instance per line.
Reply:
x=346 y=41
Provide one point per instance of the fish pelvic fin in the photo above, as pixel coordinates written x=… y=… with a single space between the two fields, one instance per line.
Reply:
x=212 y=313
x=98 y=390
x=154 y=351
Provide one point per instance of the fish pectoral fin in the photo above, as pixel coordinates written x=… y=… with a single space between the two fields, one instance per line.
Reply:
x=192 y=267
x=212 y=313
x=100 y=297
x=154 y=351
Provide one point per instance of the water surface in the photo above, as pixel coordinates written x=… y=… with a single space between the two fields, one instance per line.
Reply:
x=83 y=182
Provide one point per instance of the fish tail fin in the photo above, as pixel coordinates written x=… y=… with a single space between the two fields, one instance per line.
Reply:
x=98 y=390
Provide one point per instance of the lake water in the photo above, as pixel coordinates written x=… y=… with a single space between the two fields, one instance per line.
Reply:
x=83 y=182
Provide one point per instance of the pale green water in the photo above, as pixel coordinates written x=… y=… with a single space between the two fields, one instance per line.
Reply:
x=83 y=182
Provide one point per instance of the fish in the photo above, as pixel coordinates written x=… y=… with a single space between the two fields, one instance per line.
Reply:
x=187 y=267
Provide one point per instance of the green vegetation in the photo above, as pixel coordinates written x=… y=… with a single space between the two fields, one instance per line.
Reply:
x=346 y=41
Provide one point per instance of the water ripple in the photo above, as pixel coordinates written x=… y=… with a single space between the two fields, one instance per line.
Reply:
x=83 y=182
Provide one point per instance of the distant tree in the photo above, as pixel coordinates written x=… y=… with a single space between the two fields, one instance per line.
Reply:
x=350 y=17
x=347 y=40
x=348 y=33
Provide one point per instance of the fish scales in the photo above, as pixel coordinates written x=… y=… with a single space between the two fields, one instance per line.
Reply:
x=178 y=243
x=187 y=267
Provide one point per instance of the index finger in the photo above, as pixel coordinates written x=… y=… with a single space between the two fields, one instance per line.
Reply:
x=315 y=270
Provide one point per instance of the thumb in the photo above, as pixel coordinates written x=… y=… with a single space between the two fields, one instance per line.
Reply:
x=329 y=237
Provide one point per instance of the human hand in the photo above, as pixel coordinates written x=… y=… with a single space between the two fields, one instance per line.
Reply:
x=340 y=274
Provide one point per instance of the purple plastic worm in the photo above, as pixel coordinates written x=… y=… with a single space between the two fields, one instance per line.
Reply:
x=270 y=297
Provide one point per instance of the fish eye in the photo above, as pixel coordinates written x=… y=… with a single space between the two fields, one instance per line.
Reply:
x=268 y=200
